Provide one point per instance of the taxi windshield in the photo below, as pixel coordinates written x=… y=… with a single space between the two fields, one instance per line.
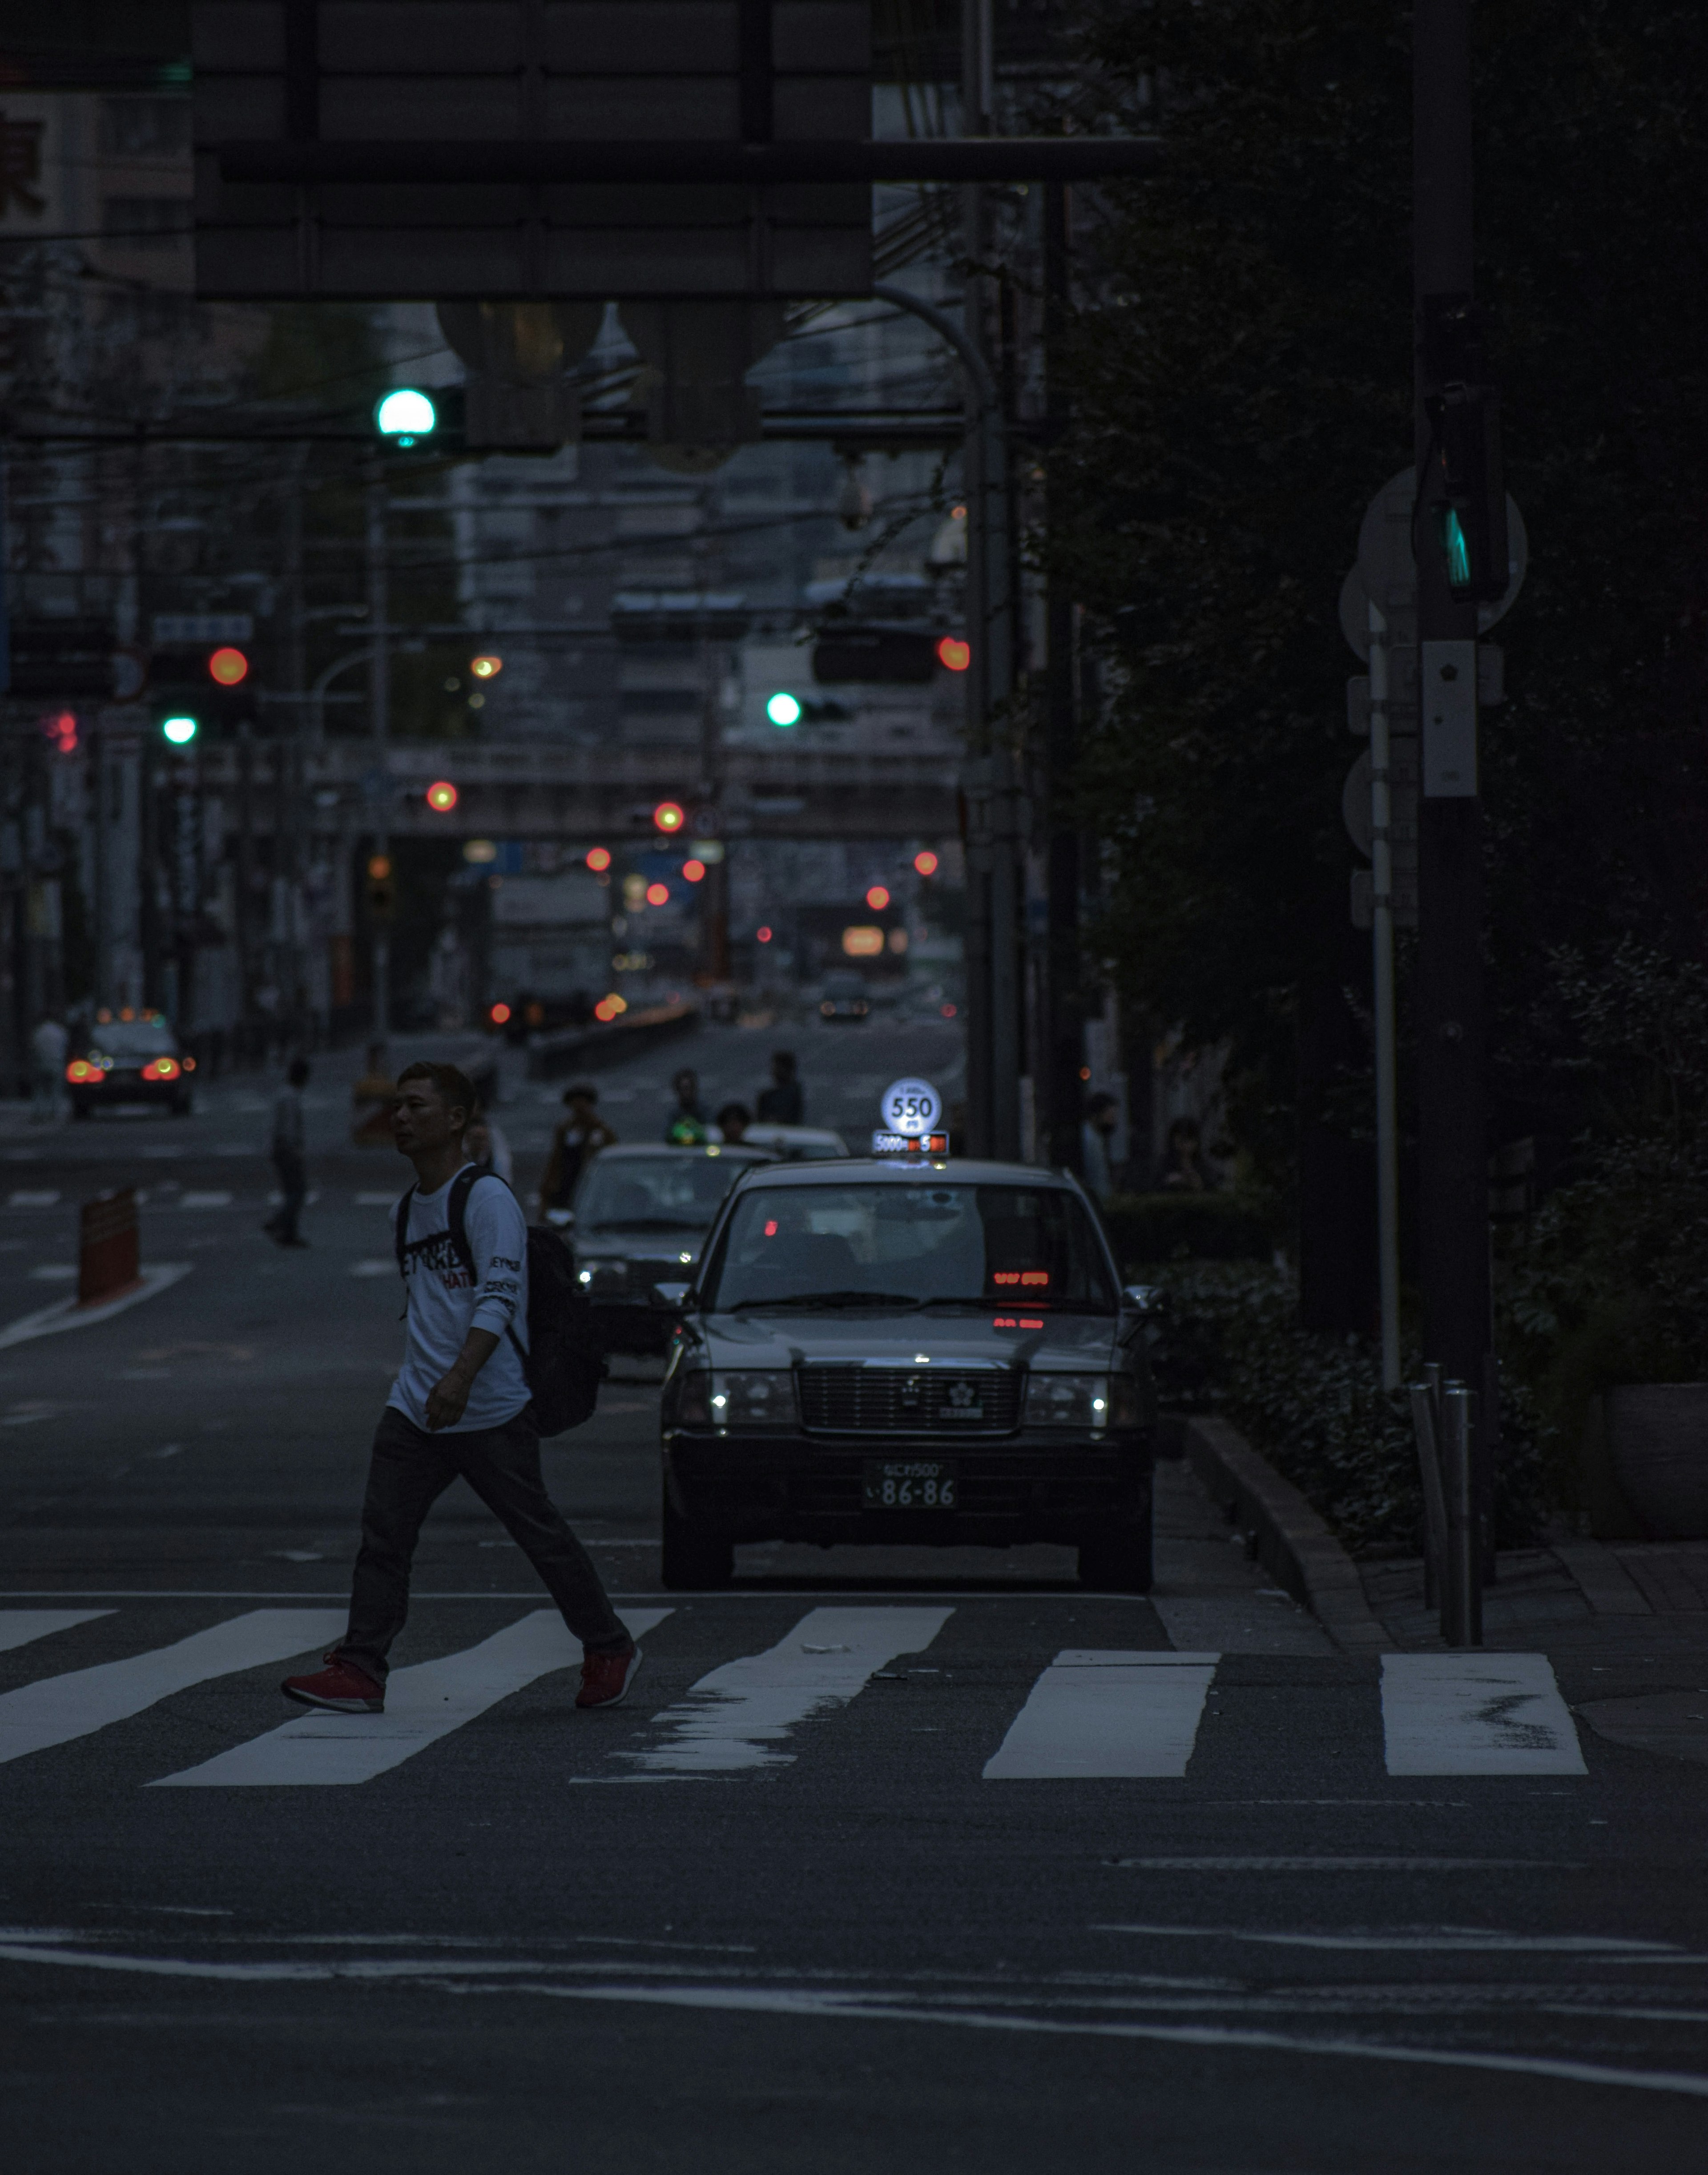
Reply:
x=843 y=1246
x=133 y=1039
x=667 y=1192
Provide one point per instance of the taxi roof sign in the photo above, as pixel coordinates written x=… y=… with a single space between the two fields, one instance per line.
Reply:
x=910 y=1144
x=912 y=1108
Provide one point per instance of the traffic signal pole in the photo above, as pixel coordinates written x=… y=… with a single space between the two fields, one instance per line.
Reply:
x=1453 y=1190
x=380 y=701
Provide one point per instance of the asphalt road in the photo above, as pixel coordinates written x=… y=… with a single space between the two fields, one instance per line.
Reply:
x=845 y=1887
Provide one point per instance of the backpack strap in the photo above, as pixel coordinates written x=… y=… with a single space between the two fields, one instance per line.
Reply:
x=400 y=1225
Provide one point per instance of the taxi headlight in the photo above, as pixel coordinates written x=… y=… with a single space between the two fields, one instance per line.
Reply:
x=752 y=1398
x=1068 y=1401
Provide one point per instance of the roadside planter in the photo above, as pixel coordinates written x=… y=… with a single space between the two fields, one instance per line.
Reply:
x=1658 y=1438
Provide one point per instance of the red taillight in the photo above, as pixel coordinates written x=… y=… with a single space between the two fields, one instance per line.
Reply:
x=80 y=1070
x=161 y=1068
x=189 y=1064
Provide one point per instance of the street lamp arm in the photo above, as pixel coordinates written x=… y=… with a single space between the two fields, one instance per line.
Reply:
x=977 y=369
x=317 y=692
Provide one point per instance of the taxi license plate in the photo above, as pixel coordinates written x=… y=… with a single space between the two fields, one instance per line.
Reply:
x=909 y=1483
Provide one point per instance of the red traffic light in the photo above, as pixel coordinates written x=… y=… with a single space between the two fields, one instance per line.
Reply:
x=877 y=898
x=599 y=861
x=442 y=796
x=499 y=1015
x=926 y=863
x=953 y=654
x=694 y=872
x=669 y=817
x=228 y=667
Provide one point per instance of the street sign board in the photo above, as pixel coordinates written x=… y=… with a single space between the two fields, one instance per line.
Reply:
x=465 y=75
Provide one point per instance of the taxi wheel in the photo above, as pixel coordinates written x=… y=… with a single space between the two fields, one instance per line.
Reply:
x=1119 y=1561
x=695 y=1556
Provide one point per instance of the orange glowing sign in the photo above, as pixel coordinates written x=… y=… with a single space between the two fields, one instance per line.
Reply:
x=1020 y=1276
x=862 y=943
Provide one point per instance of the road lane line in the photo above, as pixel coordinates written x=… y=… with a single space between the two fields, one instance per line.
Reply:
x=18 y=1627
x=424 y=1703
x=54 y=1710
x=1475 y=1714
x=1106 y=1713
x=733 y=1717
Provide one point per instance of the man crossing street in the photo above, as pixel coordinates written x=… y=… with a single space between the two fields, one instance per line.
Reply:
x=460 y=1405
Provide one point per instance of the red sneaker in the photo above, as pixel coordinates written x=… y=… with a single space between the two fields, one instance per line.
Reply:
x=341 y=1686
x=605 y=1678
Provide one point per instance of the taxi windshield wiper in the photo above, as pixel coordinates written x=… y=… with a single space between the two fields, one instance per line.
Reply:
x=833 y=1298
x=650 y=1223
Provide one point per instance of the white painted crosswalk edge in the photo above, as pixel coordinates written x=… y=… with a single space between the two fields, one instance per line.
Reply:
x=20 y=1626
x=733 y=1717
x=423 y=1703
x=54 y=1710
x=1469 y=1713
x=1097 y=1712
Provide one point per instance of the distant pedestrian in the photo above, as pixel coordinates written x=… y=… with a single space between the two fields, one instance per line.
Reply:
x=487 y=1146
x=576 y=1142
x=47 y=1052
x=783 y=1104
x=1183 y=1170
x=1103 y=1114
x=290 y=1159
x=733 y=1121
x=685 y=1127
x=460 y=1405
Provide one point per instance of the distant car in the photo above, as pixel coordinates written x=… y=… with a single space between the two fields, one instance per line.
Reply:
x=797 y=1143
x=136 y=1060
x=844 y=998
x=640 y=1216
x=878 y=1351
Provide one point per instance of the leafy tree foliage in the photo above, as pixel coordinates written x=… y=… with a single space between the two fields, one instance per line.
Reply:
x=1240 y=372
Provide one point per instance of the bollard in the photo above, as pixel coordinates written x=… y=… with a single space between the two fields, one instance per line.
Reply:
x=1424 y=1412
x=1461 y=1614
x=108 y=1255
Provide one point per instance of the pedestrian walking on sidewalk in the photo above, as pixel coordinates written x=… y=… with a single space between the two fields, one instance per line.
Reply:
x=47 y=1048
x=460 y=1405
x=288 y=1157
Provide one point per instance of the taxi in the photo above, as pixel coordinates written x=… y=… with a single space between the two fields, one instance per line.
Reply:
x=907 y=1347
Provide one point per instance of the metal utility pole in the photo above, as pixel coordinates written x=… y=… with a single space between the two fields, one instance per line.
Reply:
x=1382 y=958
x=1453 y=1190
x=1063 y=1040
x=380 y=702
x=994 y=1060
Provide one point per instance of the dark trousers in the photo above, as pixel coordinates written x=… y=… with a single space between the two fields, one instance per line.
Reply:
x=293 y=1184
x=410 y=1470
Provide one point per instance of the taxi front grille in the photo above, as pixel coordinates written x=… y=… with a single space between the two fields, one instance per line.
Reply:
x=902 y=1400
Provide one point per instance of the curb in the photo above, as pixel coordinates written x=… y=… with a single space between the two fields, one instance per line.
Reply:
x=1293 y=1544
x=66 y=1313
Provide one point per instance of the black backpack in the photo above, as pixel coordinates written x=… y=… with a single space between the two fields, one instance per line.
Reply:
x=563 y=1366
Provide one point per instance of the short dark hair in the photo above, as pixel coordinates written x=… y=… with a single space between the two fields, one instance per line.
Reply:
x=580 y=1091
x=738 y=1111
x=298 y=1072
x=785 y=1058
x=1103 y=1100
x=454 y=1089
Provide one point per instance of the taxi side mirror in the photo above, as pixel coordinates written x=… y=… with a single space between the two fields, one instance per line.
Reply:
x=671 y=1298
x=1143 y=1297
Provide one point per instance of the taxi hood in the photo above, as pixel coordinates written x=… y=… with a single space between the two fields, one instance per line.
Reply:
x=941 y=1334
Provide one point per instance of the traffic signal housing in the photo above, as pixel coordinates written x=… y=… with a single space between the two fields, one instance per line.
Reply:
x=381 y=887
x=1466 y=486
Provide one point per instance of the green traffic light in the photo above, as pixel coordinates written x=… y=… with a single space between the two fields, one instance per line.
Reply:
x=180 y=731
x=1457 y=546
x=405 y=416
x=782 y=709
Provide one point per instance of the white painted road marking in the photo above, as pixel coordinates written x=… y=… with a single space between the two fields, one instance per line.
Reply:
x=54 y=1710
x=1469 y=1713
x=1106 y=1713
x=204 y=1201
x=733 y=1716
x=20 y=1626
x=42 y=1199
x=423 y=1704
x=373 y=1267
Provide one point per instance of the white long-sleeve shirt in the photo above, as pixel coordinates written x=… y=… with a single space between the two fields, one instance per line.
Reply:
x=445 y=1303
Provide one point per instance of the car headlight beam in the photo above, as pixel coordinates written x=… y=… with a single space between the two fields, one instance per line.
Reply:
x=1069 y=1400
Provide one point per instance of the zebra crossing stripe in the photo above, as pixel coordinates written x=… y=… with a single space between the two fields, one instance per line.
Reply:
x=18 y=1627
x=1106 y=1713
x=423 y=1703
x=54 y=1710
x=1467 y=1713
x=733 y=1717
